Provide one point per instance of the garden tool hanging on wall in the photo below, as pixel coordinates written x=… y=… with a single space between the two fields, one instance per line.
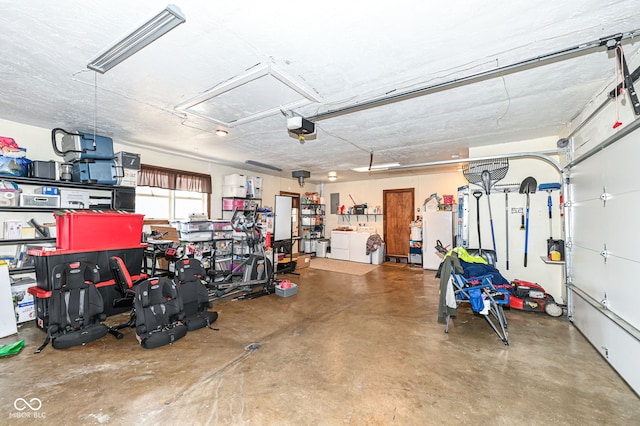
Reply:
x=507 y=188
x=555 y=248
x=528 y=186
x=485 y=174
x=477 y=195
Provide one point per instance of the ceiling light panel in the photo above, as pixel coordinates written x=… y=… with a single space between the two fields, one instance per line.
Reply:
x=147 y=33
x=260 y=92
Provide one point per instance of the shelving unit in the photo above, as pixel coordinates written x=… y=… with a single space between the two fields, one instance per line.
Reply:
x=239 y=246
x=311 y=226
x=347 y=217
x=107 y=197
x=222 y=243
x=243 y=205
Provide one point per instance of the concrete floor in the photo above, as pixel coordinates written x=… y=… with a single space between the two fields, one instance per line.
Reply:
x=346 y=350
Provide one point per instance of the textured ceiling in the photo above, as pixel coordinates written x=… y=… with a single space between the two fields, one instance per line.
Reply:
x=330 y=56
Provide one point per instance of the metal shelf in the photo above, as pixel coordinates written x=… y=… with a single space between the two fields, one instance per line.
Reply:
x=23 y=270
x=551 y=262
x=27 y=241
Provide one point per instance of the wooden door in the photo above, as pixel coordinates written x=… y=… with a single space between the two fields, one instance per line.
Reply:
x=398 y=213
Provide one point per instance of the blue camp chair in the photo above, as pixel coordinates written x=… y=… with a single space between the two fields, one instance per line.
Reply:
x=484 y=299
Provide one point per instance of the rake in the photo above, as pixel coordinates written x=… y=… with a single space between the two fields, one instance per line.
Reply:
x=485 y=174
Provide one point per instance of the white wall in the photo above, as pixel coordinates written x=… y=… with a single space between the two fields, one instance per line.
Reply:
x=369 y=191
x=37 y=141
x=550 y=276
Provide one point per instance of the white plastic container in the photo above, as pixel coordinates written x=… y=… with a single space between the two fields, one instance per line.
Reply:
x=235 y=179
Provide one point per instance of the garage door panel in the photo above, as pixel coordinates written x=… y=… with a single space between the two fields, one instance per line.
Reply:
x=590 y=275
x=618 y=164
x=588 y=320
x=615 y=344
x=621 y=291
x=586 y=186
x=613 y=327
x=620 y=225
x=590 y=216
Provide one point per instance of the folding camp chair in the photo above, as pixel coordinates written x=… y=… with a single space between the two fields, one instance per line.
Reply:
x=484 y=299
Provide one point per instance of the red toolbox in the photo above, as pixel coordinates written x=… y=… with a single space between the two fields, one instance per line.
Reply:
x=89 y=230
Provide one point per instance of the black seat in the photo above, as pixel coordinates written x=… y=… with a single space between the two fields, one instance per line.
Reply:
x=190 y=275
x=158 y=313
x=124 y=281
x=76 y=308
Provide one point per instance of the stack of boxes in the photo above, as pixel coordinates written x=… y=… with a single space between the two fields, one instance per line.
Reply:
x=241 y=186
x=130 y=164
x=415 y=244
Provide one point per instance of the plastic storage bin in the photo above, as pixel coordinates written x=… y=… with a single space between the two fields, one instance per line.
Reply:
x=196 y=236
x=286 y=292
x=86 y=230
x=195 y=226
x=377 y=256
x=321 y=248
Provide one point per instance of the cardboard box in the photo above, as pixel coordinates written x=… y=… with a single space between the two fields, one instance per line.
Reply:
x=47 y=190
x=129 y=177
x=12 y=229
x=74 y=198
x=304 y=260
x=23 y=302
x=128 y=160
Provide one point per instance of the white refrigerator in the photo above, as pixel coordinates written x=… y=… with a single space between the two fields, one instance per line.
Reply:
x=436 y=225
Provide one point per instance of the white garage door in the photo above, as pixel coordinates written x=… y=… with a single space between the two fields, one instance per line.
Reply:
x=605 y=254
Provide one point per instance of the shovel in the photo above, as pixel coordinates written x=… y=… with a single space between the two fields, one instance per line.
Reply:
x=528 y=186
x=477 y=195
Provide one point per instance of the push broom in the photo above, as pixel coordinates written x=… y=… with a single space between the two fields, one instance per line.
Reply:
x=549 y=187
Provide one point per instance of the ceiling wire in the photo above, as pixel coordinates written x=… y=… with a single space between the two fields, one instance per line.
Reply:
x=342 y=139
x=504 y=84
x=172 y=112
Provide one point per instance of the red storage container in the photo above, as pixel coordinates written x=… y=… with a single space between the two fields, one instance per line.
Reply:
x=88 y=230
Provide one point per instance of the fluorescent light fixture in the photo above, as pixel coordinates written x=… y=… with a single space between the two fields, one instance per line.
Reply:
x=263 y=165
x=141 y=37
x=376 y=168
x=332 y=176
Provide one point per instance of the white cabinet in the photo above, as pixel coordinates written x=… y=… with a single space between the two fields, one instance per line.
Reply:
x=340 y=245
x=350 y=245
